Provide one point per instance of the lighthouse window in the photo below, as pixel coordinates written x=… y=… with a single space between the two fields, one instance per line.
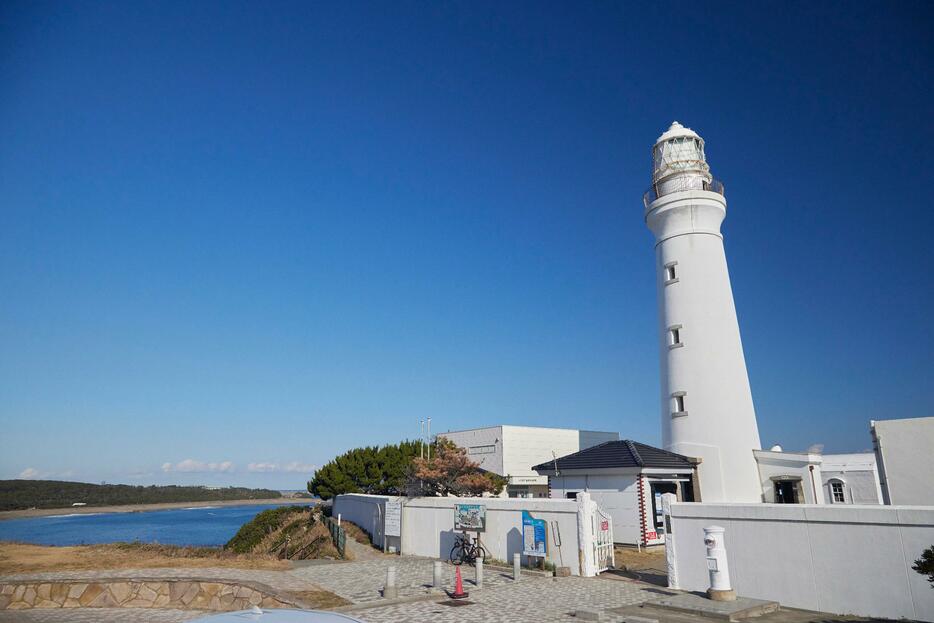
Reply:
x=677 y=404
x=674 y=336
x=671 y=273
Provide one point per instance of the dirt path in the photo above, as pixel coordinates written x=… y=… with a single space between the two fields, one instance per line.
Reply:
x=359 y=551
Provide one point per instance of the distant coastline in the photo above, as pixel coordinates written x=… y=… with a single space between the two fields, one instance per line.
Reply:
x=139 y=508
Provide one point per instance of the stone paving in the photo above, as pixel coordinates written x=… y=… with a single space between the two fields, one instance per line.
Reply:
x=532 y=598
x=542 y=600
x=361 y=582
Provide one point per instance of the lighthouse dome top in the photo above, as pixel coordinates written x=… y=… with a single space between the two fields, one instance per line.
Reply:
x=677 y=131
x=679 y=160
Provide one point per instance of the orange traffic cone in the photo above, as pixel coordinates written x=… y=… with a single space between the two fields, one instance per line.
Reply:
x=458 y=586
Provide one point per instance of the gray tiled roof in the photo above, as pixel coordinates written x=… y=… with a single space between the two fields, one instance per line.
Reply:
x=622 y=453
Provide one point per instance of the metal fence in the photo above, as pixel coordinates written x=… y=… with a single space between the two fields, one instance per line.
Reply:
x=338 y=535
x=666 y=187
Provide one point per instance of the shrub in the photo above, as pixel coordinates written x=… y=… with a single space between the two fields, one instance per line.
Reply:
x=925 y=564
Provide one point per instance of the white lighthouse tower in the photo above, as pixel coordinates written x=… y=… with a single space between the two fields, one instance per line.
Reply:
x=707 y=409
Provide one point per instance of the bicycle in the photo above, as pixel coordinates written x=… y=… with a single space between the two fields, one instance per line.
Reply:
x=466 y=550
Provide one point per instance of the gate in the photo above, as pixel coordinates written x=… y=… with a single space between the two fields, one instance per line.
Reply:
x=595 y=534
x=338 y=536
x=602 y=525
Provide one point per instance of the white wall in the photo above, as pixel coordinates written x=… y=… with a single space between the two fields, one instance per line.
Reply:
x=518 y=448
x=838 y=559
x=367 y=511
x=428 y=527
x=858 y=474
x=796 y=464
x=906 y=461
x=478 y=438
x=616 y=494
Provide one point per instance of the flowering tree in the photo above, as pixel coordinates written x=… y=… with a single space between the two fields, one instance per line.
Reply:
x=450 y=472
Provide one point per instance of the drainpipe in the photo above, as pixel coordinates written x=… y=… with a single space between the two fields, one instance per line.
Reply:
x=813 y=485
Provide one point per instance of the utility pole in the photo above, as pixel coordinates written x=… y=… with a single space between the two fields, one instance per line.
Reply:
x=429 y=437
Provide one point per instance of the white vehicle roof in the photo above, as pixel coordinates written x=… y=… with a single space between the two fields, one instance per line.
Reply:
x=277 y=616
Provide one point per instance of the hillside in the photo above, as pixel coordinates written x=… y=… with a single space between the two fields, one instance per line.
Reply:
x=22 y=494
x=293 y=532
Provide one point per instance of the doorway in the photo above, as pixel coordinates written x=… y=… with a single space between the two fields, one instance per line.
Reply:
x=786 y=492
x=657 y=489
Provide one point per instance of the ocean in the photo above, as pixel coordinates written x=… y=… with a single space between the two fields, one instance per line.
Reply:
x=205 y=526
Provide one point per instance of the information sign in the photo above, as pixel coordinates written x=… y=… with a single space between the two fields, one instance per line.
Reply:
x=534 y=536
x=470 y=517
x=393 y=526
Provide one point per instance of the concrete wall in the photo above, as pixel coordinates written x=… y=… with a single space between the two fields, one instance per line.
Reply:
x=475 y=442
x=518 y=448
x=838 y=559
x=428 y=527
x=616 y=494
x=367 y=511
x=790 y=466
x=858 y=474
x=906 y=462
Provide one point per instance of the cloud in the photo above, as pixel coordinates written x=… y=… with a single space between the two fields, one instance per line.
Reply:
x=815 y=448
x=293 y=467
x=192 y=466
x=30 y=473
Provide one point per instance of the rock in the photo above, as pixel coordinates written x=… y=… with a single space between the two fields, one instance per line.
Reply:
x=90 y=593
x=75 y=590
x=120 y=591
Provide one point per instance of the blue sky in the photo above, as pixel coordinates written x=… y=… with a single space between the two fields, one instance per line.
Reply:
x=239 y=238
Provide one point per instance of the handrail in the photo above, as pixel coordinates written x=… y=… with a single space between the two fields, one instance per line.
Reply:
x=685 y=183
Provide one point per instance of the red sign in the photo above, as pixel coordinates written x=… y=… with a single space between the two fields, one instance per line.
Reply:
x=604 y=525
x=651 y=536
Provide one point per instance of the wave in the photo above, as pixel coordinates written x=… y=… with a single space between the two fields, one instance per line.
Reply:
x=72 y=515
x=197 y=508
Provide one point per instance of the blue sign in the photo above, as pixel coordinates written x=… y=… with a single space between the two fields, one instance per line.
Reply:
x=534 y=536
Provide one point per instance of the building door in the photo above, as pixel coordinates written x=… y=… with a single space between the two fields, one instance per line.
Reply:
x=786 y=492
x=657 y=489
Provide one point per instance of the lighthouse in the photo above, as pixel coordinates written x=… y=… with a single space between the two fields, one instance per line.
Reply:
x=706 y=404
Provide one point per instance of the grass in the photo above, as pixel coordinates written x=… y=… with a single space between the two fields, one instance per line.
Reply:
x=321 y=600
x=21 y=557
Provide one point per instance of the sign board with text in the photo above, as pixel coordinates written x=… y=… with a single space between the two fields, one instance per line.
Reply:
x=393 y=526
x=534 y=536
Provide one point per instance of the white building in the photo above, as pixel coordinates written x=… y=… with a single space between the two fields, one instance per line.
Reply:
x=626 y=479
x=812 y=478
x=511 y=451
x=905 y=453
x=707 y=410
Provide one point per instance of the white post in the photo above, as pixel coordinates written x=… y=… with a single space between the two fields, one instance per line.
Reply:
x=436 y=579
x=390 y=591
x=515 y=567
x=479 y=567
x=338 y=519
x=720 y=588
x=585 y=535
x=670 y=547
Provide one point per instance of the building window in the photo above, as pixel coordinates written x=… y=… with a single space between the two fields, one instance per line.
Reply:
x=677 y=404
x=481 y=450
x=671 y=273
x=836 y=492
x=674 y=336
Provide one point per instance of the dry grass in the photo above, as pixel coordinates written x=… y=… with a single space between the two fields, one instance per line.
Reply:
x=321 y=600
x=21 y=558
x=646 y=559
x=356 y=533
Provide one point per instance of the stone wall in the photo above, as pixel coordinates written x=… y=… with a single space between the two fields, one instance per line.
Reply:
x=186 y=593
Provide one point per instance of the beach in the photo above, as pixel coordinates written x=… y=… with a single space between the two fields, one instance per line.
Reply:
x=138 y=508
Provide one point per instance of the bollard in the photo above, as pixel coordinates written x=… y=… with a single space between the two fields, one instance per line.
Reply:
x=338 y=520
x=390 y=591
x=436 y=579
x=720 y=588
x=515 y=567
x=479 y=570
